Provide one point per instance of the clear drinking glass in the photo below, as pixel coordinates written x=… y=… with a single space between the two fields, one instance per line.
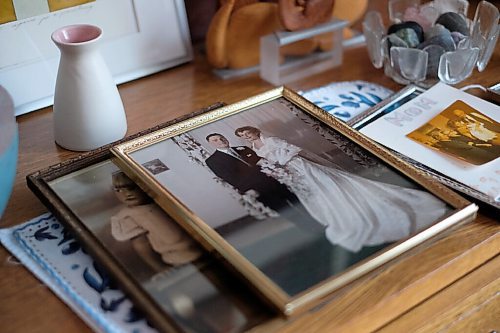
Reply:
x=8 y=147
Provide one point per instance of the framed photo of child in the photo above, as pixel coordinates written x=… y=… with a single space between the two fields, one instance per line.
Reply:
x=173 y=282
x=294 y=200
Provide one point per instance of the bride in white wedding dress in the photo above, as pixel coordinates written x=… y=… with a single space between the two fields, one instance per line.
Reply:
x=356 y=211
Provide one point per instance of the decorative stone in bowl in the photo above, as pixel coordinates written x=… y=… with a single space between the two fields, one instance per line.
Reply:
x=432 y=41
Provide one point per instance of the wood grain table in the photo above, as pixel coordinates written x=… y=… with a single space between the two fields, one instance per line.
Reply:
x=449 y=285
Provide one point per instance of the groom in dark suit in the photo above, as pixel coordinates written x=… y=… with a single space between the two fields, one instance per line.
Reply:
x=238 y=166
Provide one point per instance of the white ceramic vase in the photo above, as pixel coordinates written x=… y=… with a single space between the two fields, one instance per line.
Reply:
x=88 y=110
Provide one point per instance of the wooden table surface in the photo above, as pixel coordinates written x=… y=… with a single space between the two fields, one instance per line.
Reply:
x=450 y=285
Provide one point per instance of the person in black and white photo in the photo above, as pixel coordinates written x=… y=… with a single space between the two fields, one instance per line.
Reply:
x=238 y=166
x=322 y=190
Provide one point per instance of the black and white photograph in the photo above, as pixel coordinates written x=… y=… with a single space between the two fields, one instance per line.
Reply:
x=155 y=166
x=190 y=286
x=297 y=199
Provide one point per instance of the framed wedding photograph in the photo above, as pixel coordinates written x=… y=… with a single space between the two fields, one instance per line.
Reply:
x=294 y=200
x=173 y=282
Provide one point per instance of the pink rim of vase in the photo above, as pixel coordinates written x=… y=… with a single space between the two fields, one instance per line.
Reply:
x=76 y=34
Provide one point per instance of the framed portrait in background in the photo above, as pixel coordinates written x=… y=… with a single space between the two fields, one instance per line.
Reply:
x=140 y=37
x=297 y=202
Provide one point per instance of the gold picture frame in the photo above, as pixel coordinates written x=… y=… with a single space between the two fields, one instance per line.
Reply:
x=268 y=223
x=82 y=194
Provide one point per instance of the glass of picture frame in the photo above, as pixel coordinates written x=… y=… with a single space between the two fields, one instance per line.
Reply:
x=175 y=288
x=294 y=200
x=386 y=106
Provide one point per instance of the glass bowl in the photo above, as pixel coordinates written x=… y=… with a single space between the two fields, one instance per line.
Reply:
x=427 y=63
x=9 y=142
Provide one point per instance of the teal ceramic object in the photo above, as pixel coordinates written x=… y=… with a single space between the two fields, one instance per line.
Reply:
x=9 y=143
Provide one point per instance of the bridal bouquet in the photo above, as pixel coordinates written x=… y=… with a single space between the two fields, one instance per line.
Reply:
x=283 y=175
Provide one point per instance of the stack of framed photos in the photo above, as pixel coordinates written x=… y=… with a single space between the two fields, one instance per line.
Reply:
x=228 y=218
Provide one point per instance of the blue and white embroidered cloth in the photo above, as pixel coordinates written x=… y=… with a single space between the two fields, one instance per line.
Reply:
x=44 y=247
x=345 y=100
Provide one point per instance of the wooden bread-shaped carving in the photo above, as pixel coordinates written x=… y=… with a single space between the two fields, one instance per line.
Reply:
x=233 y=37
x=303 y=14
x=348 y=10
x=238 y=3
x=216 y=35
x=245 y=28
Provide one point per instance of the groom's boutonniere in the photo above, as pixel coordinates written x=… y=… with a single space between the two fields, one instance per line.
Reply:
x=240 y=148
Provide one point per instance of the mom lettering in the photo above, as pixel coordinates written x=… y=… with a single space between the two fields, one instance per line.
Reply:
x=400 y=117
